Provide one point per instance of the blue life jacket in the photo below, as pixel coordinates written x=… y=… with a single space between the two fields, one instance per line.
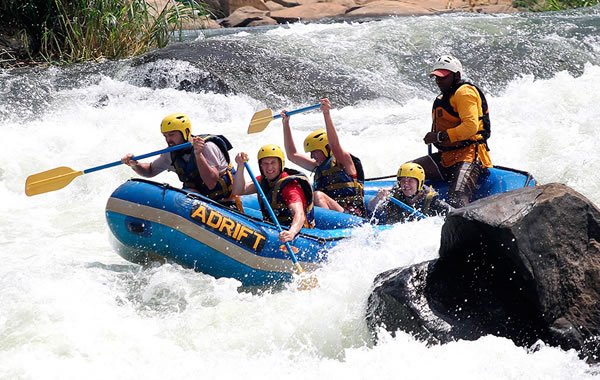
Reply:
x=274 y=196
x=348 y=192
x=187 y=170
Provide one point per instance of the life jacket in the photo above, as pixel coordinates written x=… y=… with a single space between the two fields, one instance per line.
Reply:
x=396 y=214
x=446 y=117
x=275 y=198
x=348 y=192
x=187 y=170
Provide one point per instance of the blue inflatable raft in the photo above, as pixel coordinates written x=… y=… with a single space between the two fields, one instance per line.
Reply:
x=156 y=222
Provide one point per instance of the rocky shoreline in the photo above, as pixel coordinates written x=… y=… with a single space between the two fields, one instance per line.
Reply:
x=249 y=13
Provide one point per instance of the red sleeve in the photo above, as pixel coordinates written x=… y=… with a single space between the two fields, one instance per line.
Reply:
x=293 y=193
x=258 y=179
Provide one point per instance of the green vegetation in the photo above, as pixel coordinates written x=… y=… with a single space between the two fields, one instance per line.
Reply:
x=557 y=5
x=553 y=5
x=67 y=31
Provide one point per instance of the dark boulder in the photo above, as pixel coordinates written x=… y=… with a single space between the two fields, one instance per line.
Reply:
x=247 y=67
x=524 y=265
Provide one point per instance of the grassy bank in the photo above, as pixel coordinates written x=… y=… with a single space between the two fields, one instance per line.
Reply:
x=63 y=31
x=553 y=5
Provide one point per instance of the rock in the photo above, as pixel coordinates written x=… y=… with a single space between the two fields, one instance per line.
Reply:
x=224 y=8
x=348 y=4
x=273 y=6
x=398 y=303
x=387 y=8
x=363 y=2
x=482 y=6
x=258 y=71
x=262 y=21
x=524 y=265
x=493 y=9
x=245 y=15
x=309 y=12
x=232 y=5
x=295 y=3
x=201 y=23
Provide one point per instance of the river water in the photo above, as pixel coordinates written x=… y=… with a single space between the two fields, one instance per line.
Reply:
x=72 y=308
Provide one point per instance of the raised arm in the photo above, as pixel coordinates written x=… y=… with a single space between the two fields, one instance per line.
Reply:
x=239 y=186
x=300 y=159
x=341 y=156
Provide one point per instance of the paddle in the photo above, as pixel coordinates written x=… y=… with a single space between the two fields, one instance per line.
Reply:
x=378 y=178
x=55 y=179
x=306 y=283
x=418 y=214
x=261 y=119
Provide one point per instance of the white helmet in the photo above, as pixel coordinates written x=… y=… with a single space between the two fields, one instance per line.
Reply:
x=446 y=62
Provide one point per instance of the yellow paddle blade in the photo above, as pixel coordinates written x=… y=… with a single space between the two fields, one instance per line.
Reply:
x=260 y=120
x=307 y=281
x=50 y=180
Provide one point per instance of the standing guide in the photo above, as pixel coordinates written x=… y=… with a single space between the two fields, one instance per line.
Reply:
x=460 y=130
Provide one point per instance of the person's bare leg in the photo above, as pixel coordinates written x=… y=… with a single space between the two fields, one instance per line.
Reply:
x=432 y=171
x=325 y=201
x=464 y=178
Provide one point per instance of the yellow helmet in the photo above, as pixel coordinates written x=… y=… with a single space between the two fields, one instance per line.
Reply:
x=316 y=141
x=177 y=122
x=412 y=170
x=271 y=150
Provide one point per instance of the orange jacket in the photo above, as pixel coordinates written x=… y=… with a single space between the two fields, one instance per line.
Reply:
x=460 y=117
